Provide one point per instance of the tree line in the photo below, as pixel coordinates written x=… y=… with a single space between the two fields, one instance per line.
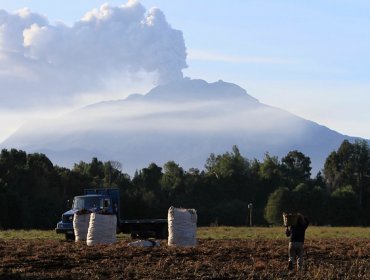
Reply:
x=34 y=192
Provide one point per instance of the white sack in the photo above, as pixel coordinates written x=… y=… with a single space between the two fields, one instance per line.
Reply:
x=182 y=227
x=102 y=229
x=144 y=243
x=81 y=226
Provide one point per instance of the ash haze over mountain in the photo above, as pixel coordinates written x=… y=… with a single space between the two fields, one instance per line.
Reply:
x=50 y=72
x=185 y=121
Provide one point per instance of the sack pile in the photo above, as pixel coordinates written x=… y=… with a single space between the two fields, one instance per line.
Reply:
x=182 y=227
x=81 y=222
x=102 y=229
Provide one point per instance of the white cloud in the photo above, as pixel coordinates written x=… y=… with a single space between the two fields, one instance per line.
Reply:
x=42 y=63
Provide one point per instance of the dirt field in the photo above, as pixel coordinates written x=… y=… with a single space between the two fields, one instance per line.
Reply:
x=211 y=259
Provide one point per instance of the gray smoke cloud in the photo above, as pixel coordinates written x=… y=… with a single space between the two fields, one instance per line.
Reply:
x=43 y=62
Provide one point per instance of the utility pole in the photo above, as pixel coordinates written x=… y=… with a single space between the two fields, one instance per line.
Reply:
x=250 y=208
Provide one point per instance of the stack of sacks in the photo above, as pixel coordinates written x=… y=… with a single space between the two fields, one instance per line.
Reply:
x=81 y=220
x=182 y=227
x=102 y=229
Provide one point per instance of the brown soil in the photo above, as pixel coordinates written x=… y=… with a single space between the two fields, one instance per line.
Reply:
x=211 y=259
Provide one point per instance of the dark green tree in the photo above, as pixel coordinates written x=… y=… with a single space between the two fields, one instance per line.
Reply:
x=350 y=166
x=228 y=164
x=296 y=168
x=172 y=177
x=311 y=202
x=93 y=170
x=339 y=167
x=279 y=201
x=147 y=195
x=270 y=169
x=343 y=208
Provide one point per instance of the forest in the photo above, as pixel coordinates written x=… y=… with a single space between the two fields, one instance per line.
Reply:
x=34 y=192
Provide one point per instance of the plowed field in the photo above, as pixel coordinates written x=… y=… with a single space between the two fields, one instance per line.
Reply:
x=211 y=259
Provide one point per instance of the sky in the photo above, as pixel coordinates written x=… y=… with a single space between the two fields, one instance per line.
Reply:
x=310 y=58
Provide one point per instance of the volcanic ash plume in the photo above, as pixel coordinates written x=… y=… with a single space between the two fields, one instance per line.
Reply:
x=41 y=59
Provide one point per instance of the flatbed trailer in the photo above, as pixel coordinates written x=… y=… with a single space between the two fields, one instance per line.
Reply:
x=107 y=199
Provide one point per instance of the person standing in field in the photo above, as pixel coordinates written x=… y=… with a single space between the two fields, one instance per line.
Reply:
x=296 y=241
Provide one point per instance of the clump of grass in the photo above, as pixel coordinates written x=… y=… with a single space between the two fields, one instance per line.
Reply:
x=40 y=234
x=240 y=232
x=338 y=232
x=30 y=234
x=279 y=232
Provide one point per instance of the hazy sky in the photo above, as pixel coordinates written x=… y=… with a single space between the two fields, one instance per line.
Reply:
x=308 y=57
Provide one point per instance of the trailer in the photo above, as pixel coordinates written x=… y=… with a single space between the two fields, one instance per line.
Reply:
x=108 y=200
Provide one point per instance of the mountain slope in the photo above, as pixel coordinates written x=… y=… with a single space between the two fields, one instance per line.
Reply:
x=183 y=121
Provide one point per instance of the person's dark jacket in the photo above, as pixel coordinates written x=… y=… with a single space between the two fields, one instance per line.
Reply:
x=298 y=231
